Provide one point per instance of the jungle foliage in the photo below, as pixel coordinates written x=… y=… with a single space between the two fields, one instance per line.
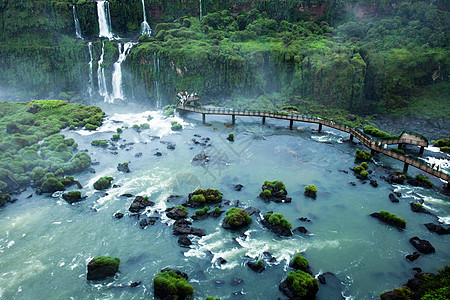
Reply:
x=32 y=147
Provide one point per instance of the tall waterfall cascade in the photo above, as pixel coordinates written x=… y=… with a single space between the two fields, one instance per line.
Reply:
x=117 y=74
x=77 y=24
x=102 y=88
x=145 y=28
x=156 y=72
x=200 y=10
x=104 y=19
x=91 y=71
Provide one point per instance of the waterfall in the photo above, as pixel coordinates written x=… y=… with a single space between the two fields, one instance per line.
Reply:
x=91 y=75
x=117 y=74
x=156 y=72
x=102 y=88
x=104 y=19
x=77 y=24
x=145 y=28
x=200 y=10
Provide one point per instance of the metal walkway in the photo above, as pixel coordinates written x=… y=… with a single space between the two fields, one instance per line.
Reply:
x=374 y=144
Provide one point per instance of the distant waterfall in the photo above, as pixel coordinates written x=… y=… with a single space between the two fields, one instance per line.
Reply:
x=104 y=19
x=91 y=75
x=145 y=28
x=77 y=24
x=200 y=10
x=102 y=88
x=156 y=72
x=117 y=74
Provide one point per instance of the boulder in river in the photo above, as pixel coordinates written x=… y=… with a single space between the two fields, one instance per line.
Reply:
x=423 y=246
x=277 y=223
x=299 y=285
x=101 y=267
x=439 y=229
x=72 y=196
x=140 y=203
x=172 y=284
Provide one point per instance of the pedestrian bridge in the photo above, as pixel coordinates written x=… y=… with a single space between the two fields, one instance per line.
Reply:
x=374 y=144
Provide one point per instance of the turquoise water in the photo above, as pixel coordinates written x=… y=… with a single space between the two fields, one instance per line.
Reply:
x=45 y=243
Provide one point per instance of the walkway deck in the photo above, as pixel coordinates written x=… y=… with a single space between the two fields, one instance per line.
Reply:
x=374 y=144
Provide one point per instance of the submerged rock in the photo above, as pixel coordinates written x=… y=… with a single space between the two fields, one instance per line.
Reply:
x=257 y=267
x=184 y=241
x=123 y=167
x=238 y=187
x=182 y=227
x=423 y=246
x=439 y=229
x=300 y=230
x=413 y=256
x=393 y=198
x=177 y=212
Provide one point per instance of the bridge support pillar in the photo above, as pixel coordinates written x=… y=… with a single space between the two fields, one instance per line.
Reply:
x=372 y=152
x=204 y=118
x=233 y=119
x=320 y=128
x=405 y=168
x=400 y=146
x=263 y=120
x=421 y=150
x=351 y=137
x=291 y=124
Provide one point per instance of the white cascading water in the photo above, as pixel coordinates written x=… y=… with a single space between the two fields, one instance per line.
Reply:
x=91 y=75
x=145 y=28
x=200 y=10
x=156 y=71
x=102 y=88
x=117 y=74
x=104 y=19
x=77 y=24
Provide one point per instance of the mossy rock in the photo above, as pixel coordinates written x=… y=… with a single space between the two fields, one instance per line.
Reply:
x=277 y=223
x=176 y=126
x=300 y=263
x=172 y=284
x=72 y=196
x=363 y=155
x=299 y=285
x=178 y=212
x=102 y=267
x=311 y=191
x=201 y=197
x=103 y=183
x=99 y=143
x=236 y=218
x=274 y=191
x=123 y=167
x=390 y=219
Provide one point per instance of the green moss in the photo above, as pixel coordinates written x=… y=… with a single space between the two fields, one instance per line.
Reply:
x=424 y=179
x=107 y=261
x=181 y=207
x=267 y=193
x=201 y=212
x=363 y=155
x=237 y=217
x=90 y=127
x=103 y=183
x=208 y=195
x=216 y=210
x=176 y=126
x=198 y=198
x=260 y=263
x=99 y=143
x=115 y=137
x=399 y=151
x=388 y=217
x=300 y=261
x=402 y=293
x=364 y=174
x=302 y=283
x=370 y=130
x=365 y=165
x=175 y=284
x=358 y=169
x=119 y=130
x=311 y=189
x=277 y=219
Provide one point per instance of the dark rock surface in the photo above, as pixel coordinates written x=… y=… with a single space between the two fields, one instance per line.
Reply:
x=238 y=187
x=176 y=213
x=423 y=246
x=184 y=241
x=98 y=271
x=439 y=229
x=140 y=203
x=255 y=267
x=118 y=215
x=72 y=198
x=413 y=256
x=393 y=198
x=277 y=229
x=182 y=227
x=123 y=168
x=288 y=290
x=389 y=222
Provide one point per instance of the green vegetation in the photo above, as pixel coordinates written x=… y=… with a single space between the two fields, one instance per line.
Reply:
x=169 y=110
x=300 y=261
x=273 y=189
x=107 y=261
x=103 y=183
x=119 y=130
x=216 y=210
x=237 y=217
x=212 y=298
x=231 y=137
x=391 y=218
x=4 y=198
x=401 y=293
x=30 y=145
x=181 y=207
x=442 y=143
x=363 y=155
x=201 y=212
x=277 y=219
x=399 y=151
x=176 y=285
x=364 y=174
x=115 y=137
x=302 y=283
x=99 y=143
x=370 y=130
x=176 y=126
x=260 y=263
x=311 y=189
x=424 y=179
x=206 y=196
x=365 y=165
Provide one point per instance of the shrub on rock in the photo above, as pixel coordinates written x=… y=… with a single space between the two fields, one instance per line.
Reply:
x=230 y=137
x=363 y=155
x=176 y=126
x=274 y=191
x=140 y=203
x=100 y=143
x=172 y=284
x=102 y=267
x=236 y=218
x=72 y=196
x=103 y=183
x=123 y=167
x=177 y=212
x=390 y=219
x=200 y=197
x=299 y=285
x=277 y=223
x=311 y=190
x=299 y=263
